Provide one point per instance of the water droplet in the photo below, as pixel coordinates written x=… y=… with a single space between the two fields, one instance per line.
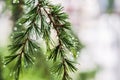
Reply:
x=14 y=72
x=46 y=59
x=35 y=49
x=78 y=52
x=3 y=61
x=10 y=74
x=15 y=1
x=20 y=24
x=48 y=20
x=72 y=38
x=51 y=73
x=22 y=31
x=15 y=28
x=25 y=65
x=77 y=55
x=34 y=57
x=4 y=66
x=70 y=53
x=36 y=2
x=11 y=37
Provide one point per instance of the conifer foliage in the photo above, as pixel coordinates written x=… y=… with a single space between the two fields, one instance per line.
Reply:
x=39 y=20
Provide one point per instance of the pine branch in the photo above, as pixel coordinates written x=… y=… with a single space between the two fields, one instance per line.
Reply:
x=60 y=46
x=36 y=25
x=58 y=26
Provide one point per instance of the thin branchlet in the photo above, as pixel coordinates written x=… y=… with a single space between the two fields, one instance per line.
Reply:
x=60 y=43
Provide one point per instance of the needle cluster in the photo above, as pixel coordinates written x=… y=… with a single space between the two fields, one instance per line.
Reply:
x=39 y=20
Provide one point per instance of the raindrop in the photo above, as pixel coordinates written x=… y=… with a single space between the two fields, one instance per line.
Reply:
x=10 y=74
x=48 y=20
x=70 y=53
x=25 y=65
x=35 y=49
x=72 y=38
x=15 y=1
x=51 y=73
x=20 y=24
x=46 y=59
x=4 y=66
x=11 y=37
x=14 y=72
x=3 y=61
x=34 y=57
x=78 y=52
x=36 y=1
x=15 y=28
x=22 y=31
x=77 y=55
